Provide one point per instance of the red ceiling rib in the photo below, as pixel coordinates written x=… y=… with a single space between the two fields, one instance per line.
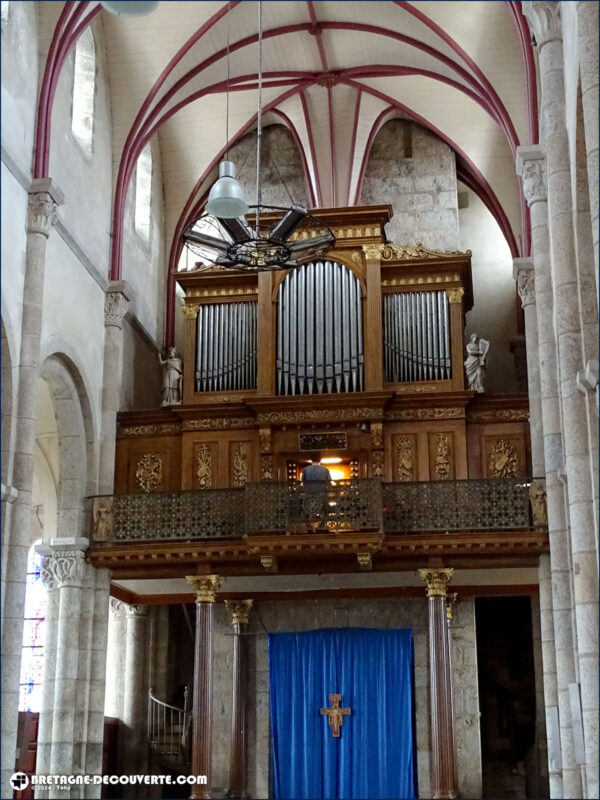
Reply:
x=313 y=156
x=300 y=147
x=516 y=11
x=316 y=31
x=363 y=165
x=353 y=145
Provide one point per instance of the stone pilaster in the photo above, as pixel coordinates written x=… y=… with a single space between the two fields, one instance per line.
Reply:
x=44 y=198
x=117 y=630
x=205 y=587
x=531 y=165
x=135 y=691
x=116 y=303
x=545 y=20
x=443 y=756
x=238 y=756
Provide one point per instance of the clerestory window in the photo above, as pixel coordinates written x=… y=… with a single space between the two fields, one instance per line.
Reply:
x=143 y=194
x=84 y=85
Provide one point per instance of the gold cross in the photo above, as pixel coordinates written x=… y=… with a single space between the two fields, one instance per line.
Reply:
x=336 y=714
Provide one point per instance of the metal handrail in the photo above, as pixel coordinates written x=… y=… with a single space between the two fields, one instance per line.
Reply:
x=168 y=727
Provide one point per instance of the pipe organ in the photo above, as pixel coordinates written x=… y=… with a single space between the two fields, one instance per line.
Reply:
x=416 y=337
x=226 y=347
x=320 y=331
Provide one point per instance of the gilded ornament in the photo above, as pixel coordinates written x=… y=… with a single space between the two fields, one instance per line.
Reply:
x=365 y=561
x=204 y=466
x=406 y=252
x=424 y=413
x=404 y=458
x=451 y=600
x=317 y=415
x=499 y=415
x=148 y=430
x=264 y=440
x=376 y=435
x=205 y=586
x=266 y=467
x=217 y=423
x=377 y=461
x=240 y=464
x=455 y=295
x=537 y=498
x=148 y=473
x=269 y=563
x=503 y=460
x=436 y=580
x=190 y=311
x=442 y=457
x=239 y=610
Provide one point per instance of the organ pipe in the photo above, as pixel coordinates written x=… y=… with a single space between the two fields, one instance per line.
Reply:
x=226 y=341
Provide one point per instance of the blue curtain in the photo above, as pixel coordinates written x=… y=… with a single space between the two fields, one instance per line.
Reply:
x=372 y=670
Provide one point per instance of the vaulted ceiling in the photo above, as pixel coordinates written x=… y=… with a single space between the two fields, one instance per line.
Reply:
x=334 y=72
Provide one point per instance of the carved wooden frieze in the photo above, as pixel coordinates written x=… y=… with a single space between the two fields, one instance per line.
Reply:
x=325 y=440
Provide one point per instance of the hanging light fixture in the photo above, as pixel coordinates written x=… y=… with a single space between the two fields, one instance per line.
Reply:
x=133 y=8
x=269 y=238
x=226 y=197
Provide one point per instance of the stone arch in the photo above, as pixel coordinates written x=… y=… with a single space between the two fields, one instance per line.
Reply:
x=76 y=442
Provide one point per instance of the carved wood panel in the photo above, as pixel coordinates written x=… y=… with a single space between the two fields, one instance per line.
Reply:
x=441 y=456
x=404 y=457
x=147 y=466
x=205 y=464
x=504 y=456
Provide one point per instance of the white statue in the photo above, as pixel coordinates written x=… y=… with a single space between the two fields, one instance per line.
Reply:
x=475 y=364
x=172 y=377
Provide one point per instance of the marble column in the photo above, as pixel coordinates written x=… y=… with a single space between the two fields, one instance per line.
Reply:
x=531 y=165
x=132 y=742
x=443 y=764
x=238 y=755
x=545 y=20
x=206 y=587
x=116 y=303
x=115 y=649
x=44 y=198
x=587 y=24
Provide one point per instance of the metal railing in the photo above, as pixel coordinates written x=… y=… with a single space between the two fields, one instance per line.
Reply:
x=346 y=506
x=169 y=728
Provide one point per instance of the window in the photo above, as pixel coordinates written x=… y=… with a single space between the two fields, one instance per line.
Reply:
x=34 y=632
x=84 y=84
x=4 y=10
x=143 y=194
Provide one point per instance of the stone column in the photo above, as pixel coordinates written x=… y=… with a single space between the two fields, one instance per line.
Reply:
x=238 y=777
x=206 y=587
x=545 y=20
x=531 y=165
x=587 y=18
x=135 y=692
x=443 y=766
x=114 y=659
x=44 y=198
x=116 y=303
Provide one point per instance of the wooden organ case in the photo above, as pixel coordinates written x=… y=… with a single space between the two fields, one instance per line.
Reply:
x=360 y=355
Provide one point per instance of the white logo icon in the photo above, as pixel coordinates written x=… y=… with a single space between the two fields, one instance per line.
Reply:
x=19 y=781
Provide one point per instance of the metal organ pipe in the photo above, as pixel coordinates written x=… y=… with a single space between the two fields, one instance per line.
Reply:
x=319 y=331
x=416 y=337
x=226 y=341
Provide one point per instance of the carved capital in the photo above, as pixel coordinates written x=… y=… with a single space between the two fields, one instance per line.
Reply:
x=205 y=586
x=455 y=295
x=240 y=611
x=544 y=20
x=190 y=311
x=115 y=308
x=373 y=252
x=523 y=273
x=117 y=607
x=436 y=580
x=63 y=568
x=135 y=611
x=531 y=166
x=44 y=199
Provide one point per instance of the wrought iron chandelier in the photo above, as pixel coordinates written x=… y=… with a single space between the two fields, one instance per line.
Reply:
x=233 y=235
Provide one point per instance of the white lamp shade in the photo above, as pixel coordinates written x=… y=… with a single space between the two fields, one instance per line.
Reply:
x=135 y=8
x=226 y=197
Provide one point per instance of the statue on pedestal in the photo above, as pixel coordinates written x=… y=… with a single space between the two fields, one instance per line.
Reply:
x=172 y=377
x=475 y=363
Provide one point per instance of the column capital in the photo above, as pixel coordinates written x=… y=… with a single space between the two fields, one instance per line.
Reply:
x=437 y=579
x=205 y=586
x=117 y=607
x=63 y=565
x=116 y=302
x=44 y=199
x=135 y=611
x=239 y=610
x=544 y=20
x=531 y=166
x=524 y=275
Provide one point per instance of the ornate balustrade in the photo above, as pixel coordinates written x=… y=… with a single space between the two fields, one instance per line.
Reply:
x=346 y=506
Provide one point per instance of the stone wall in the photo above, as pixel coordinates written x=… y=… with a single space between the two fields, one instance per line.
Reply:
x=415 y=172
x=410 y=612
